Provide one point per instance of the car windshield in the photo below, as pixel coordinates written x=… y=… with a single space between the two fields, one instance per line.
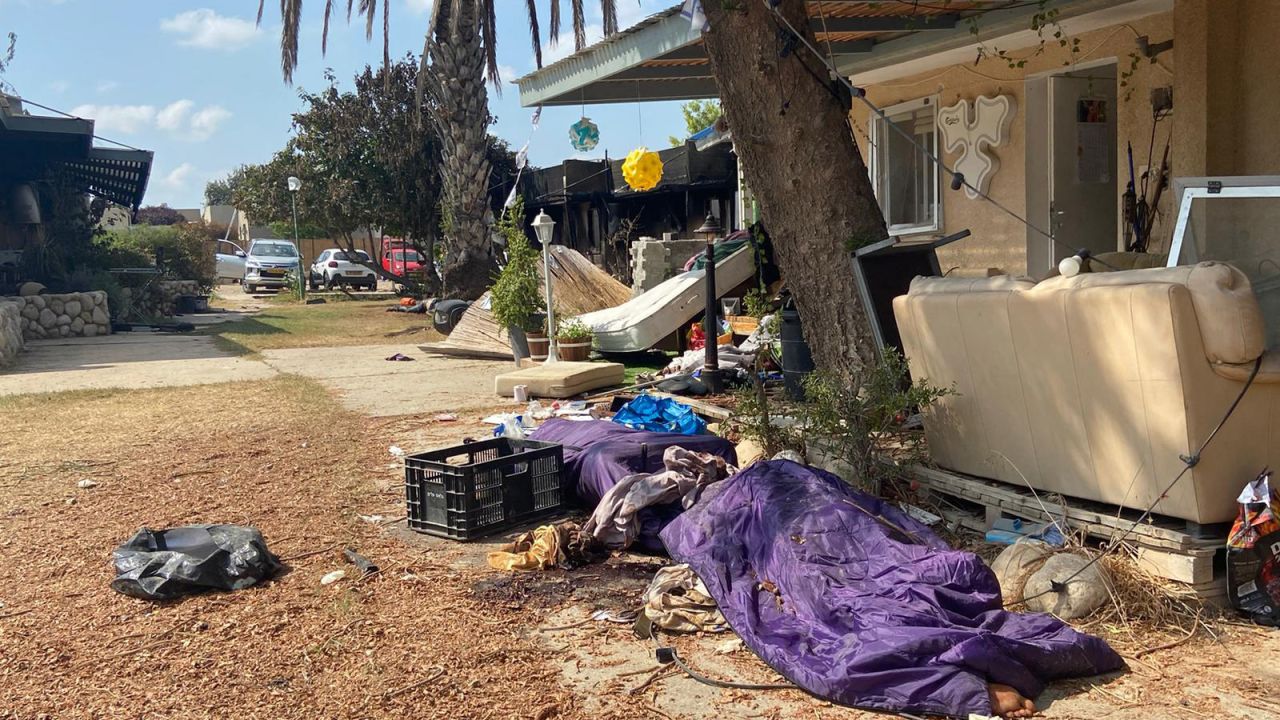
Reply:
x=361 y=256
x=284 y=250
x=413 y=255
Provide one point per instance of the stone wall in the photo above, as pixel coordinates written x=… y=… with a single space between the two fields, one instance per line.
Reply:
x=159 y=298
x=11 y=342
x=653 y=261
x=69 y=315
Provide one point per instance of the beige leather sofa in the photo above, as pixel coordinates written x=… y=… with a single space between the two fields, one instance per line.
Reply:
x=1093 y=386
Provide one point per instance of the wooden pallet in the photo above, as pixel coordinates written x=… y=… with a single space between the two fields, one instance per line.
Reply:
x=1164 y=546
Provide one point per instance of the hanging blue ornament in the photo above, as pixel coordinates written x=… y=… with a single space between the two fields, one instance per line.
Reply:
x=584 y=135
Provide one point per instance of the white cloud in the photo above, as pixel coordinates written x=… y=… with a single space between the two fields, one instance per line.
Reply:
x=508 y=73
x=117 y=118
x=179 y=118
x=205 y=28
x=174 y=115
x=206 y=121
x=419 y=7
x=177 y=178
x=553 y=51
x=107 y=86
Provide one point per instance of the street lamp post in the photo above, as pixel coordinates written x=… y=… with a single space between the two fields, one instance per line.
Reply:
x=543 y=226
x=711 y=319
x=295 y=185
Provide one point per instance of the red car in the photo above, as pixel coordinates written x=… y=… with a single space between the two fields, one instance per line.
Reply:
x=399 y=258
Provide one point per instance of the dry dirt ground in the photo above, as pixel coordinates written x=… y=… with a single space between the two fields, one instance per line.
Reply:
x=435 y=634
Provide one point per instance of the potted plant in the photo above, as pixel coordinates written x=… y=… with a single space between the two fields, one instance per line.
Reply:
x=516 y=297
x=539 y=342
x=573 y=340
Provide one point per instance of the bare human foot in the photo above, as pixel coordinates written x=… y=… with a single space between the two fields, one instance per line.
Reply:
x=1007 y=703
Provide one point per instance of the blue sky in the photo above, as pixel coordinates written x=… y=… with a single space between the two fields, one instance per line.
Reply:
x=196 y=82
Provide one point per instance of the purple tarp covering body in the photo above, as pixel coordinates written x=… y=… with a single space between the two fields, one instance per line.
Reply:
x=599 y=453
x=864 y=615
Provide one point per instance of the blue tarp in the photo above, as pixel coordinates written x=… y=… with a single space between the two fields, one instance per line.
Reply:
x=661 y=415
x=856 y=602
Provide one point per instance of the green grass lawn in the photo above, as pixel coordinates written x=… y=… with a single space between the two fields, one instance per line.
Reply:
x=330 y=324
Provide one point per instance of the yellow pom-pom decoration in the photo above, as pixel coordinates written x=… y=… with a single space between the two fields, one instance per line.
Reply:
x=642 y=170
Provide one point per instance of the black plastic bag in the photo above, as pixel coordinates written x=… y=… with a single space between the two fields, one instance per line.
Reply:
x=1253 y=553
x=165 y=564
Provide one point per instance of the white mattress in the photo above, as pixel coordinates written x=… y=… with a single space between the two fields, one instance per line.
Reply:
x=644 y=320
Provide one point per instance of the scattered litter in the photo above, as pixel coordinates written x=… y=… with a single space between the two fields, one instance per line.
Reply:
x=619 y=617
x=446 y=417
x=536 y=411
x=165 y=564
x=914 y=421
x=565 y=546
x=333 y=577
x=399 y=357
x=1008 y=531
x=373 y=519
x=510 y=425
x=363 y=563
x=520 y=393
x=728 y=647
x=87 y=484
x=1253 y=553
x=921 y=514
x=395 y=450
x=677 y=601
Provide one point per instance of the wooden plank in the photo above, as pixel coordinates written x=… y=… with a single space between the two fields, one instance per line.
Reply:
x=1021 y=502
x=715 y=412
x=1194 y=567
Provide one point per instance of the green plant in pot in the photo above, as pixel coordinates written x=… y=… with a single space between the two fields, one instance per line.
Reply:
x=516 y=296
x=573 y=340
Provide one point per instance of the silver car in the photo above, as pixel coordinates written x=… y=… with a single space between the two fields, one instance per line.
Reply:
x=270 y=263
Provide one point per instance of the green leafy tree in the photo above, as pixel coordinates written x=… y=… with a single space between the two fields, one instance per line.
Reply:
x=698 y=116
x=159 y=215
x=6 y=59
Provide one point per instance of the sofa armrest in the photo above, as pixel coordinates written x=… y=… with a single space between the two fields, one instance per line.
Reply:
x=1268 y=373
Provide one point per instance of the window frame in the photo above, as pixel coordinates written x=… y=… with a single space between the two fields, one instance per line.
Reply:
x=878 y=128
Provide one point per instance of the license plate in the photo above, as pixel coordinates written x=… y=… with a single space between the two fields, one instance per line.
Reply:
x=356 y=273
x=273 y=272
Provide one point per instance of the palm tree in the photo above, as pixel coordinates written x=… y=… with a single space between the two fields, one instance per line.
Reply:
x=459 y=56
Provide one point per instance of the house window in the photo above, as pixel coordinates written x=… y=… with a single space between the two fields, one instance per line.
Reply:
x=905 y=179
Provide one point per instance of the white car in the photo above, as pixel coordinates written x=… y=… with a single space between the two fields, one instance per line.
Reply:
x=269 y=264
x=334 y=267
x=229 y=261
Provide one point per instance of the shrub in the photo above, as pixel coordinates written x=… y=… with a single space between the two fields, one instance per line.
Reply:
x=517 y=293
x=573 y=331
x=183 y=251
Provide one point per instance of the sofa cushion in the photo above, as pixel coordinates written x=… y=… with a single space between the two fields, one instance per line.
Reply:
x=1231 y=324
x=922 y=285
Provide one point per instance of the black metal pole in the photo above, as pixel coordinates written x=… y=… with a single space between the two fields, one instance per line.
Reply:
x=711 y=325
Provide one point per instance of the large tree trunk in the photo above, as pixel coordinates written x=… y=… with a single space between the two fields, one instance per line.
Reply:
x=456 y=78
x=797 y=151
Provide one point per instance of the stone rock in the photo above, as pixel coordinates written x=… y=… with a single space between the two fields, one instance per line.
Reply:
x=100 y=316
x=47 y=318
x=30 y=312
x=71 y=307
x=90 y=330
x=63 y=320
x=77 y=326
x=1084 y=593
x=39 y=302
x=1015 y=563
x=56 y=305
x=27 y=289
x=64 y=330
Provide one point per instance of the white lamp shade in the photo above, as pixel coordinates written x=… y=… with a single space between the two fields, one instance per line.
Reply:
x=543 y=226
x=1069 y=266
x=294 y=184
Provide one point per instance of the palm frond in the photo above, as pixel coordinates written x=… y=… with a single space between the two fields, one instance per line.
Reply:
x=350 y=4
x=609 y=8
x=261 y=4
x=291 y=21
x=579 y=26
x=324 y=34
x=535 y=32
x=369 y=9
x=555 y=20
x=489 y=35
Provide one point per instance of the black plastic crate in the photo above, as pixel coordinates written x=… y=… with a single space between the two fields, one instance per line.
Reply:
x=481 y=488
